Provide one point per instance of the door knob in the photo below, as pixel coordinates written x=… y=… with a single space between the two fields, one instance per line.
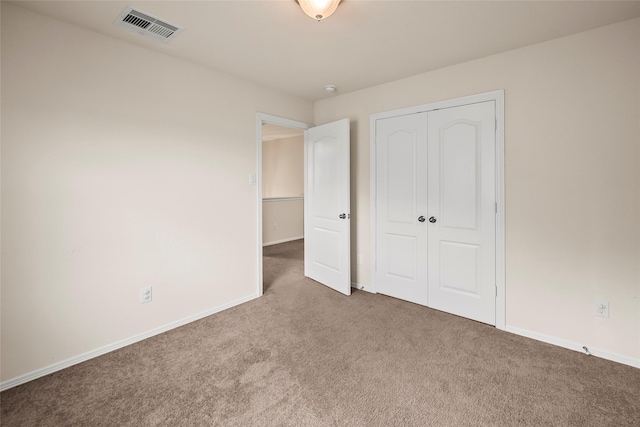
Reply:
x=343 y=216
x=432 y=219
x=421 y=218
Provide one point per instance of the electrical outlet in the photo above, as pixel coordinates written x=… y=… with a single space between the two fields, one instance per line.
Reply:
x=275 y=227
x=602 y=309
x=359 y=259
x=146 y=294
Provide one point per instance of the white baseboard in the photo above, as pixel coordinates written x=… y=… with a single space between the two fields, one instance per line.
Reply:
x=111 y=347
x=625 y=360
x=291 y=239
x=362 y=288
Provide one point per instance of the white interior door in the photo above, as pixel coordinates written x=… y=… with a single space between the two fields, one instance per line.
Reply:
x=435 y=204
x=327 y=248
x=462 y=211
x=401 y=201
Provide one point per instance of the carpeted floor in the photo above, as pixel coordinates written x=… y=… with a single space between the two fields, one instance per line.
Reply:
x=304 y=355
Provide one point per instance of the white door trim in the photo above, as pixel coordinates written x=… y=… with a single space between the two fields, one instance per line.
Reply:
x=498 y=97
x=279 y=121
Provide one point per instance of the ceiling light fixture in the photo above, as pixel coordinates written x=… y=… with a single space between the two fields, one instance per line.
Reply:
x=318 y=9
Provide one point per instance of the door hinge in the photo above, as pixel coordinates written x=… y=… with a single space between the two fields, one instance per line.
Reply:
x=496 y=207
x=496 y=122
x=496 y=292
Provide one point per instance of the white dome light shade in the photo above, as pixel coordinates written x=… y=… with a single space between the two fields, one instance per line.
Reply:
x=319 y=9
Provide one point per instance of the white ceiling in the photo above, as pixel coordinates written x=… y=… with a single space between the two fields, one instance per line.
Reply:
x=363 y=44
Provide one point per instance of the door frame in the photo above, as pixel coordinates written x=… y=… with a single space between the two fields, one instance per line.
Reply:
x=498 y=97
x=279 y=121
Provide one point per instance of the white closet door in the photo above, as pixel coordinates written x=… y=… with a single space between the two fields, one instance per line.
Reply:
x=401 y=239
x=327 y=206
x=462 y=215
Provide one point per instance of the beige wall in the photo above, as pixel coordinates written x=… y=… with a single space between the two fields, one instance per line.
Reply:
x=283 y=167
x=282 y=220
x=282 y=176
x=572 y=177
x=121 y=168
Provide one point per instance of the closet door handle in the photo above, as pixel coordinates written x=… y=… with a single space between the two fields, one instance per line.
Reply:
x=421 y=218
x=343 y=216
x=432 y=219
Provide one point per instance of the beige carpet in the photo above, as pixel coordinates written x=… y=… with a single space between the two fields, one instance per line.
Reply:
x=304 y=355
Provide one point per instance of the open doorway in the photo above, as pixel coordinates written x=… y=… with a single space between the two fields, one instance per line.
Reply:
x=280 y=181
x=326 y=201
x=282 y=198
x=282 y=184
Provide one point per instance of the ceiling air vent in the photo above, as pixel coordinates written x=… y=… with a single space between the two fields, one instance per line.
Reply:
x=147 y=25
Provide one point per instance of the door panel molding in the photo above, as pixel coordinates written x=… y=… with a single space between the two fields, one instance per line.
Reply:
x=498 y=98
